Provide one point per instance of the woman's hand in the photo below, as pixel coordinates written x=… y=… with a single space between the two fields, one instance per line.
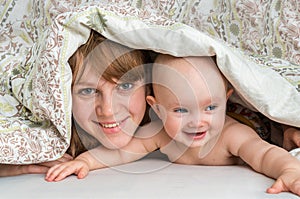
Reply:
x=14 y=169
x=291 y=138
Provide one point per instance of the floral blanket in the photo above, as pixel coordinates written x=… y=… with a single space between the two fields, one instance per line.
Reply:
x=256 y=43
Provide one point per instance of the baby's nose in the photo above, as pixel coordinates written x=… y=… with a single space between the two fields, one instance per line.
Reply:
x=196 y=121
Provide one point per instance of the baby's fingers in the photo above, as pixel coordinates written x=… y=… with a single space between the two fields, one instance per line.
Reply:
x=58 y=172
x=277 y=187
x=295 y=188
x=65 y=158
x=82 y=173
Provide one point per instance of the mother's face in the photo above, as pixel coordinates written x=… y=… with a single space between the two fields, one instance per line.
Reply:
x=110 y=112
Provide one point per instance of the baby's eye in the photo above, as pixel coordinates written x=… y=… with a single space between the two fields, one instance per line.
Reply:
x=180 y=110
x=125 y=86
x=210 y=108
x=87 y=91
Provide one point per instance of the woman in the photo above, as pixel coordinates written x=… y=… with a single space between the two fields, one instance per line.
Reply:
x=108 y=94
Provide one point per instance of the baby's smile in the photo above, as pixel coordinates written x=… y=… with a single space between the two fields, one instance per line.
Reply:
x=196 y=135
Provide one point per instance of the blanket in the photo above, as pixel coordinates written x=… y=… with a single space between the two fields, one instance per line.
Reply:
x=256 y=44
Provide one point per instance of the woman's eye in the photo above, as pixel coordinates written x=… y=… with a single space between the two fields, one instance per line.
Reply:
x=180 y=110
x=125 y=86
x=87 y=91
x=210 y=108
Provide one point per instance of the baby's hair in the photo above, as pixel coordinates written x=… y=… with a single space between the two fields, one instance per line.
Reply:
x=227 y=84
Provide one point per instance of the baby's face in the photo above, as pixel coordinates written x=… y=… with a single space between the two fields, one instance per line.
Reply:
x=192 y=99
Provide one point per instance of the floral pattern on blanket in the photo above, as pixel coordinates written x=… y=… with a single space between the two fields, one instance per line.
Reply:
x=35 y=91
x=269 y=28
x=38 y=37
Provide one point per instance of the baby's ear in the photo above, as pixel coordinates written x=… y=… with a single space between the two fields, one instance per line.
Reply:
x=229 y=93
x=154 y=105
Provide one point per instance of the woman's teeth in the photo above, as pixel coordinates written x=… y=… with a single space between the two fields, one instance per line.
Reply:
x=111 y=125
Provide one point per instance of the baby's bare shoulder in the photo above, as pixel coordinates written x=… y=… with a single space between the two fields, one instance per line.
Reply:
x=232 y=126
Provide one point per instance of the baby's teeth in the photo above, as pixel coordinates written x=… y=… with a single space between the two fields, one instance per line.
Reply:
x=112 y=125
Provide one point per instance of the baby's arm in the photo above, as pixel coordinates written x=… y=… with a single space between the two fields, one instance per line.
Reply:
x=265 y=158
x=102 y=157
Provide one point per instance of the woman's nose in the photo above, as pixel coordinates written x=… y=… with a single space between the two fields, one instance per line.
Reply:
x=104 y=105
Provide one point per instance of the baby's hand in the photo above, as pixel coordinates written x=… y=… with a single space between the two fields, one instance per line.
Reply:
x=65 y=158
x=289 y=181
x=61 y=171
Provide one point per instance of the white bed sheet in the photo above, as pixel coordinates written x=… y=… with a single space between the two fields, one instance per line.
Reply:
x=151 y=177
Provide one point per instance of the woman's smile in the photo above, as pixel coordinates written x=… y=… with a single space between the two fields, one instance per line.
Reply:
x=109 y=127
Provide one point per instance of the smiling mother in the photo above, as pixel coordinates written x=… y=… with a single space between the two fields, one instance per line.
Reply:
x=108 y=93
x=109 y=99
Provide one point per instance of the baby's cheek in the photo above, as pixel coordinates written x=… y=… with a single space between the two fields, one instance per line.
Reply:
x=172 y=127
x=218 y=122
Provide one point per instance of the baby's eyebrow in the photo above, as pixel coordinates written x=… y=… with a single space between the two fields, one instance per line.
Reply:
x=211 y=102
x=173 y=103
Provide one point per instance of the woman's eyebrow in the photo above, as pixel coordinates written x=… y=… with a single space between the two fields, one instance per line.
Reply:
x=85 y=83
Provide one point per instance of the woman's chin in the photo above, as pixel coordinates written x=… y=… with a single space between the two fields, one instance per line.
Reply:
x=117 y=144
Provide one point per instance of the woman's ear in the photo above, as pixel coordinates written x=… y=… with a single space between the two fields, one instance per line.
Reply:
x=229 y=93
x=152 y=102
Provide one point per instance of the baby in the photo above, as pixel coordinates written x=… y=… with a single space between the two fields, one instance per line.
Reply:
x=190 y=96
